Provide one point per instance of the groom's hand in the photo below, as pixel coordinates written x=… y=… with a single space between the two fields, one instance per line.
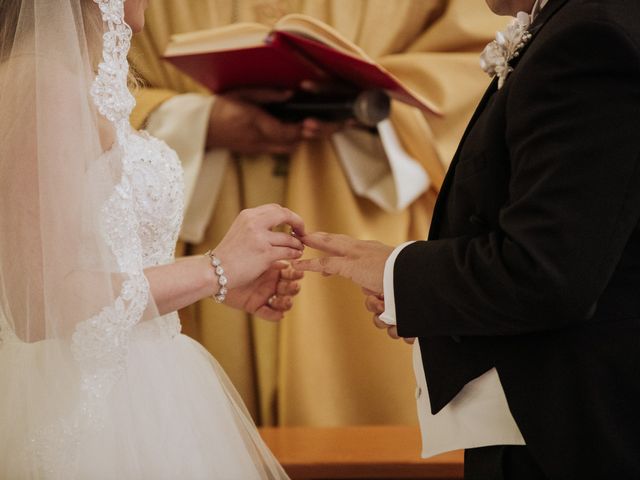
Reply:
x=375 y=304
x=361 y=261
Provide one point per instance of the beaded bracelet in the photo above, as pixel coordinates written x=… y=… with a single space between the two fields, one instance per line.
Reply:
x=222 y=279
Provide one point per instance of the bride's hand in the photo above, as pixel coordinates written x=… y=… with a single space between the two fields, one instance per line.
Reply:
x=250 y=247
x=270 y=295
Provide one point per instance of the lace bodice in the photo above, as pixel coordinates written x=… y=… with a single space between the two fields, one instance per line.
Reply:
x=156 y=180
x=142 y=217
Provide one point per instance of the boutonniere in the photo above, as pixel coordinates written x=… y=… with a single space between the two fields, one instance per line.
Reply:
x=496 y=56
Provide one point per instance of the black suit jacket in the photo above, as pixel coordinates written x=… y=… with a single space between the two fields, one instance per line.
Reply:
x=533 y=259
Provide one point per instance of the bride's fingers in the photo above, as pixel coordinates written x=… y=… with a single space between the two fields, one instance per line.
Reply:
x=267 y=313
x=275 y=307
x=281 y=303
x=279 y=239
x=291 y=273
x=282 y=253
x=272 y=215
x=287 y=288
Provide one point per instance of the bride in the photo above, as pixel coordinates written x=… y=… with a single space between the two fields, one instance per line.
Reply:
x=96 y=381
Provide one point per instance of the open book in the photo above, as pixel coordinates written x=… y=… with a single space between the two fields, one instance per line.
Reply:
x=298 y=48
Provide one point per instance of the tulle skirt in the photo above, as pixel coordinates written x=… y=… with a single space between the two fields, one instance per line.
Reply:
x=172 y=414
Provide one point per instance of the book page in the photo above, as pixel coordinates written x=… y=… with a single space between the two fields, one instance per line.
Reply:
x=318 y=31
x=230 y=37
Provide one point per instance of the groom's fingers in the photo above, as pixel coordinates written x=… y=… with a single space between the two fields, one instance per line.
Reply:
x=374 y=304
x=393 y=332
x=379 y=323
x=331 y=243
x=368 y=292
x=324 y=265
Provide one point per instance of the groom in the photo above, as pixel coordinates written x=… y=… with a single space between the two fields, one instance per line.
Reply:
x=526 y=297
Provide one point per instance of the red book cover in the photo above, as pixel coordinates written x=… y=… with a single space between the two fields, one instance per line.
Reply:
x=284 y=60
x=272 y=64
x=353 y=70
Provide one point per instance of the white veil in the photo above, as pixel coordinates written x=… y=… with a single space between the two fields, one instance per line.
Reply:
x=75 y=305
x=71 y=280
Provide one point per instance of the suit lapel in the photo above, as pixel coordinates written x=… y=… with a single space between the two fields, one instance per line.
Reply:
x=545 y=14
x=440 y=201
x=551 y=8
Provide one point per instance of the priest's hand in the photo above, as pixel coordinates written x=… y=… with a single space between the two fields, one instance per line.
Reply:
x=238 y=123
x=270 y=295
x=361 y=261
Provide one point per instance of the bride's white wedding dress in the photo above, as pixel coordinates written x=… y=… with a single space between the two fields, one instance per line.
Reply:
x=171 y=413
x=104 y=388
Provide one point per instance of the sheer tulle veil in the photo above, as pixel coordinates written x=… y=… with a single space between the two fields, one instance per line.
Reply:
x=71 y=285
x=93 y=382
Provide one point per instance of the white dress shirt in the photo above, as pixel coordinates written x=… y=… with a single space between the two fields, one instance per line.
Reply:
x=478 y=416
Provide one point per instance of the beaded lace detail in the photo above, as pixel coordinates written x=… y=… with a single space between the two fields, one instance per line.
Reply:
x=109 y=90
x=140 y=222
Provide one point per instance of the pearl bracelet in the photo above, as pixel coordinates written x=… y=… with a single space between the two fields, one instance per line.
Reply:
x=222 y=279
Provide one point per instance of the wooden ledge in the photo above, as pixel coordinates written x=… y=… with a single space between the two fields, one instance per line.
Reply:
x=372 y=452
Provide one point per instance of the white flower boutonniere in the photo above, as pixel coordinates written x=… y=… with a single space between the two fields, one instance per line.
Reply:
x=496 y=56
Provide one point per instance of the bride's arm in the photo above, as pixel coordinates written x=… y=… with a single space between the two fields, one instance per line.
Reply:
x=179 y=284
x=247 y=251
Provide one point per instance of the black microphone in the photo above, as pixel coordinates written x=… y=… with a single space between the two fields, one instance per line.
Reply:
x=369 y=107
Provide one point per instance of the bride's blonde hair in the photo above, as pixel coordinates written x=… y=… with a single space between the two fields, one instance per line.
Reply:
x=91 y=23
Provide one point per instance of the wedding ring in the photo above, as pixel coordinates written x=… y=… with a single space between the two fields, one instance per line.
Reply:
x=272 y=299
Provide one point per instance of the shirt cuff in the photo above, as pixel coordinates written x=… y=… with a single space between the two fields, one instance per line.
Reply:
x=389 y=314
